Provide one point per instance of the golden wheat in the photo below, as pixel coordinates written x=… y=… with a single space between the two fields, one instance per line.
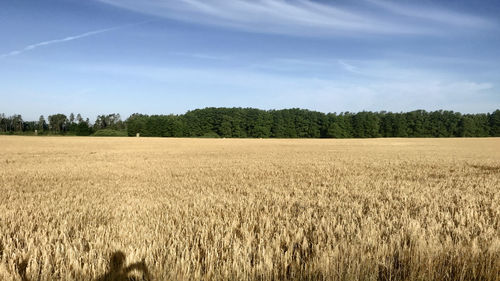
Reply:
x=230 y=209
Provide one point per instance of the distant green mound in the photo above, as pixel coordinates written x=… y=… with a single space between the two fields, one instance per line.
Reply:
x=110 y=133
x=210 y=135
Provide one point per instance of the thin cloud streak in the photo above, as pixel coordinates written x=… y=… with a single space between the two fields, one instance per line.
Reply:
x=349 y=67
x=201 y=56
x=308 y=18
x=434 y=14
x=66 y=39
x=411 y=90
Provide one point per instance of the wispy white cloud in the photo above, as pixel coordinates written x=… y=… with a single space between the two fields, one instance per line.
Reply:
x=407 y=89
x=66 y=39
x=435 y=14
x=307 y=17
x=201 y=56
x=349 y=67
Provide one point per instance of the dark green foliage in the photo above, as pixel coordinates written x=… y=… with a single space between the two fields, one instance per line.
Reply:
x=393 y=125
x=211 y=135
x=110 y=133
x=494 y=123
x=136 y=123
x=82 y=129
x=417 y=123
x=256 y=123
x=110 y=121
x=366 y=124
x=155 y=125
x=300 y=123
x=338 y=126
x=58 y=123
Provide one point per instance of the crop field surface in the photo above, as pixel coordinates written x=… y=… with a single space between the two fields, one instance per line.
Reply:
x=88 y=208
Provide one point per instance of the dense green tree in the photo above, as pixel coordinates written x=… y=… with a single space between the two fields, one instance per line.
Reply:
x=17 y=122
x=366 y=124
x=58 y=123
x=3 y=123
x=473 y=125
x=42 y=124
x=83 y=129
x=494 y=123
x=109 y=121
x=416 y=123
x=136 y=123
x=333 y=129
x=256 y=123
x=226 y=128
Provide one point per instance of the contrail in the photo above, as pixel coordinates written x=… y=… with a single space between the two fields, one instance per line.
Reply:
x=66 y=39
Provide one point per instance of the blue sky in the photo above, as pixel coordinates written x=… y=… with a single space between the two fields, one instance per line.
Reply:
x=170 y=56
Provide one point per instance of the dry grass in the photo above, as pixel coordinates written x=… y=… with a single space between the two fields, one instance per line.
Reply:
x=202 y=209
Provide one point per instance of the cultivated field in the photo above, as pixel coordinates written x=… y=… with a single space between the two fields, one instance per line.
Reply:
x=227 y=209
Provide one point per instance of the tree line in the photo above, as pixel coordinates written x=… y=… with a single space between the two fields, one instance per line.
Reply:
x=256 y=123
x=60 y=124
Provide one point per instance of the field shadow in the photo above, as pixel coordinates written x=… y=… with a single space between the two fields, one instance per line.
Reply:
x=118 y=272
x=21 y=269
x=117 y=269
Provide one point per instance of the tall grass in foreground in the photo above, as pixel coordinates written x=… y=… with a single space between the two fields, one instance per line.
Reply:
x=203 y=209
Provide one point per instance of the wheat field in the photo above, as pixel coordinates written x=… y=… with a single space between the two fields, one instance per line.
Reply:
x=76 y=208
